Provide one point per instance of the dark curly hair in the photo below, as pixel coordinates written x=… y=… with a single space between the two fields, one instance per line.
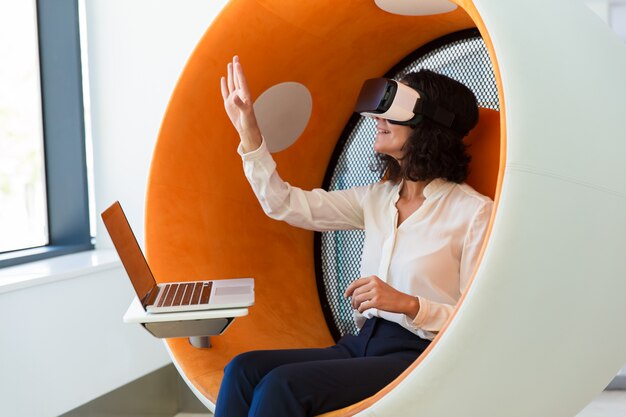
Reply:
x=433 y=150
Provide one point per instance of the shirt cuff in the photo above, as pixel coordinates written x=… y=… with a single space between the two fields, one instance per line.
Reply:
x=255 y=154
x=423 y=314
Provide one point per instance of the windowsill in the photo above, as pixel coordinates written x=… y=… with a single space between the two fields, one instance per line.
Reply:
x=45 y=271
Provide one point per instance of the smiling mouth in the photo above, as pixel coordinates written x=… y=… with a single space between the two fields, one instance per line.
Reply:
x=382 y=131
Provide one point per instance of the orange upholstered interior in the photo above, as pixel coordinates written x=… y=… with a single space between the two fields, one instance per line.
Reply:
x=484 y=147
x=202 y=219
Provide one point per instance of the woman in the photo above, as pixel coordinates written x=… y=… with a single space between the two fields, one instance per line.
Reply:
x=424 y=230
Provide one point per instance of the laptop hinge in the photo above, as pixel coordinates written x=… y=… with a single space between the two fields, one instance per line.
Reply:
x=150 y=297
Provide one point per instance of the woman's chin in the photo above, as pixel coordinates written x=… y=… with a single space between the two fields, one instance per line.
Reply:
x=381 y=148
x=379 y=145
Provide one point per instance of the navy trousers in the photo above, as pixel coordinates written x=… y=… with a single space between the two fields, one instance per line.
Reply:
x=307 y=382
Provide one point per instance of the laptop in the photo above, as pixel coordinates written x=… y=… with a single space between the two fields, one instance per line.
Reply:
x=173 y=296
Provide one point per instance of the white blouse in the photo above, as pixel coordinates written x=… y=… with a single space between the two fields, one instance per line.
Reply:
x=431 y=255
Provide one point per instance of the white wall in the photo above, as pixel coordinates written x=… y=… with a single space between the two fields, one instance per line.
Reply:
x=63 y=343
x=137 y=50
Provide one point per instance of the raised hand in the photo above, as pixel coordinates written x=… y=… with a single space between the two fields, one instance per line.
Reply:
x=239 y=105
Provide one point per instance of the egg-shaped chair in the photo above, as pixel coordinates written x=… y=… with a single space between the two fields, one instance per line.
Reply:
x=539 y=331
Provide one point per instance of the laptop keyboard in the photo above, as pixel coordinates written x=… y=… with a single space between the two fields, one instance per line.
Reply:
x=184 y=294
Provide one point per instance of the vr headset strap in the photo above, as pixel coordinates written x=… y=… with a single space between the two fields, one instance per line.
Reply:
x=435 y=112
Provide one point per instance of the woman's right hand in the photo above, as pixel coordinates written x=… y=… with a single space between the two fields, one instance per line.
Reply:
x=239 y=106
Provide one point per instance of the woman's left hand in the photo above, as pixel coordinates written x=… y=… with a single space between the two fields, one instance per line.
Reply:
x=372 y=292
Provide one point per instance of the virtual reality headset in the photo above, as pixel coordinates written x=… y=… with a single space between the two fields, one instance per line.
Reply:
x=400 y=104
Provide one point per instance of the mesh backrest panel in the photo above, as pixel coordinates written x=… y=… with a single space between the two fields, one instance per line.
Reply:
x=461 y=56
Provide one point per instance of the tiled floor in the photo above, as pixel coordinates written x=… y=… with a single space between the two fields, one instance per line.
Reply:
x=607 y=404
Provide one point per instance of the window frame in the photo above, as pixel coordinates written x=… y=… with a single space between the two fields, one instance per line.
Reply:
x=63 y=132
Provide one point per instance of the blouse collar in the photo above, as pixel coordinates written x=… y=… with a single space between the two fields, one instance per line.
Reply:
x=437 y=187
x=434 y=189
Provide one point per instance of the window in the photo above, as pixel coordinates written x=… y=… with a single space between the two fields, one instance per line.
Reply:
x=44 y=205
x=23 y=216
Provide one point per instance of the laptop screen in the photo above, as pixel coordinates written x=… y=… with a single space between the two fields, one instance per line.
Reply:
x=128 y=249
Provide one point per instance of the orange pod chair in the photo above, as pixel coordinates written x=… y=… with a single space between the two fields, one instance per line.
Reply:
x=204 y=222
